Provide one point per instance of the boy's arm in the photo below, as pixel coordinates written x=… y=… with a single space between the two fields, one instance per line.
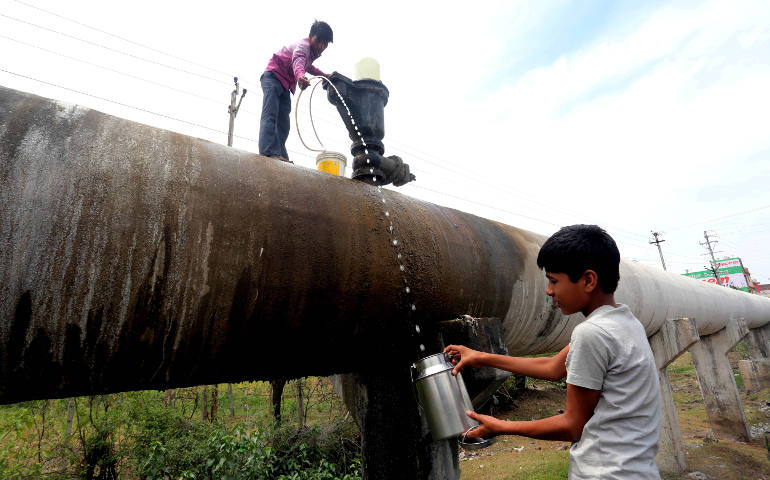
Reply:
x=315 y=71
x=545 y=368
x=567 y=426
x=301 y=64
x=299 y=59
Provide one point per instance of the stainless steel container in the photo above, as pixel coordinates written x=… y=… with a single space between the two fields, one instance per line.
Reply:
x=442 y=397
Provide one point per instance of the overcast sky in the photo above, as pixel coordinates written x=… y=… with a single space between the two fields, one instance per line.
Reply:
x=637 y=116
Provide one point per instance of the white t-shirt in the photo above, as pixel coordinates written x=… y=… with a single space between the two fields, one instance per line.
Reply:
x=609 y=351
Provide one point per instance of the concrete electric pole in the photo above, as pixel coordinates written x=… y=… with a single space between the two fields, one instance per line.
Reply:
x=657 y=242
x=233 y=110
x=714 y=270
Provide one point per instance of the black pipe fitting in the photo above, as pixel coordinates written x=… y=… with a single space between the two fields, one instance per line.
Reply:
x=361 y=104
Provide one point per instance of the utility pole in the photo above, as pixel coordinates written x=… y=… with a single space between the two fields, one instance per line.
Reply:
x=714 y=270
x=233 y=110
x=658 y=242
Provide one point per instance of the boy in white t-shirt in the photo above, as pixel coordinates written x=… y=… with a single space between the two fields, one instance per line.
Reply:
x=612 y=412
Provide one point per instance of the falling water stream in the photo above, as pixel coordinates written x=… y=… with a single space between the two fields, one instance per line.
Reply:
x=393 y=234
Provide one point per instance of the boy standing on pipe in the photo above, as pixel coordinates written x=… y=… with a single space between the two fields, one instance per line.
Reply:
x=612 y=413
x=285 y=70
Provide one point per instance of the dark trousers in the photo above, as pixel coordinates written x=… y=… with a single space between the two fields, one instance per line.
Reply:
x=274 y=124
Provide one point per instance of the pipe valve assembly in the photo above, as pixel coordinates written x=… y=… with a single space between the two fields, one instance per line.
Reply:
x=361 y=104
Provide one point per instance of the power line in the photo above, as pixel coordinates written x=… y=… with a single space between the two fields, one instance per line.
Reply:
x=254 y=140
x=250 y=139
x=742 y=231
x=437 y=175
x=130 y=75
x=483 y=205
x=237 y=136
x=114 y=50
x=684 y=263
x=616 y=231
x=113 y=101
x=125 y=39
x=464 y=176
x=616 y=234
x=711 y=220
x=409 y=153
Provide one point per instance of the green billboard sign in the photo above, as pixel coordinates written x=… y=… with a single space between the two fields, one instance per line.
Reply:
x=730 y=271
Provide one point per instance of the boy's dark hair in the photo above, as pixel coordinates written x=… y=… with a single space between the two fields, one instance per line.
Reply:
x=323 y=31
x=577 y=248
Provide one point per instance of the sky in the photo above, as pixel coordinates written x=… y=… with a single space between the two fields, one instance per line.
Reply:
x=636 y=116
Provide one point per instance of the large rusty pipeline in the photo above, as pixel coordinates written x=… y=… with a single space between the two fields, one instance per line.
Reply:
x=136 y=258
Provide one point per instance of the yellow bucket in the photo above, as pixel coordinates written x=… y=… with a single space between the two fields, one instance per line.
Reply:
x=331 y=162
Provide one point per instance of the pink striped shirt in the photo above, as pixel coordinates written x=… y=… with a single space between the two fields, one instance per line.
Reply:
x=292 y=62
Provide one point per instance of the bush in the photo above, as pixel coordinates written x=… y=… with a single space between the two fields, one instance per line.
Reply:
x=332 y=451
x=137 y=435
x=281 y=452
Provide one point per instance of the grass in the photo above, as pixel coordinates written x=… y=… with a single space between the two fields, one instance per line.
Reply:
x=520 y=458
x=529 y=464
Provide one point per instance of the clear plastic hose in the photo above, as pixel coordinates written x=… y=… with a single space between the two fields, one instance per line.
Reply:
x=312 y=123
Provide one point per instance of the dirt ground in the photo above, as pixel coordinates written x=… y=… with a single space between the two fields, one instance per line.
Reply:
x=520 y=458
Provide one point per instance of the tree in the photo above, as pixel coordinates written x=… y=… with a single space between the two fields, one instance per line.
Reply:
x=70 y=414
x=230 y=396
x=214 y=403
x=276 y=392
x=204 y=404
x=300 y=405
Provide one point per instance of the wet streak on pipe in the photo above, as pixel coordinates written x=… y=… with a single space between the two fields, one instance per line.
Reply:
x=137 y=258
